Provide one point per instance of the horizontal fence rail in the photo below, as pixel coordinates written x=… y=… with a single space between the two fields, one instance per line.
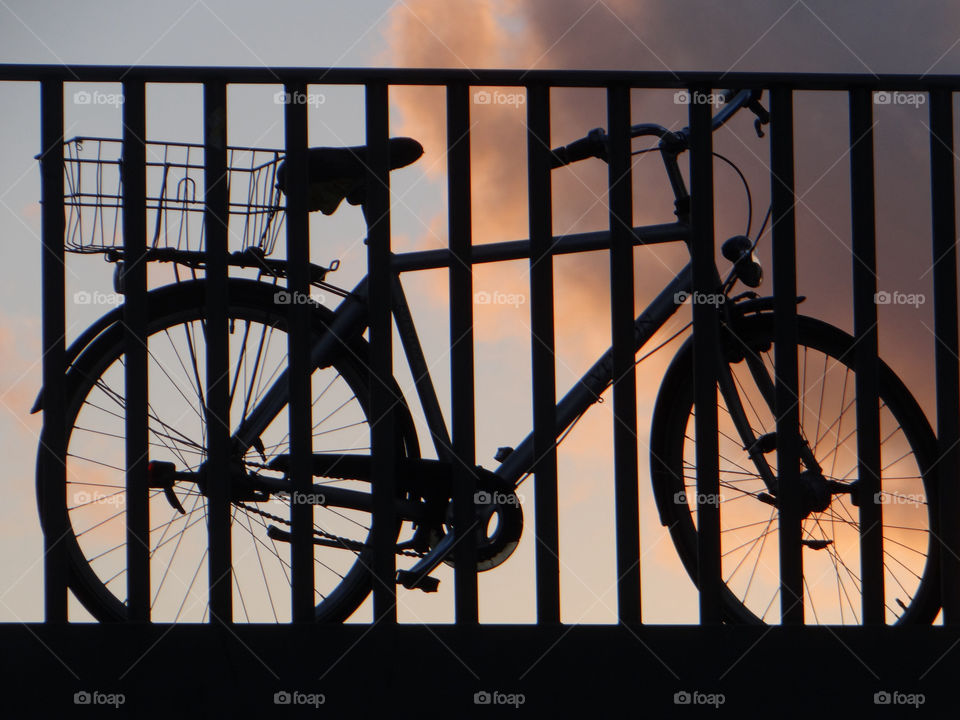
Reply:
x=393 y=471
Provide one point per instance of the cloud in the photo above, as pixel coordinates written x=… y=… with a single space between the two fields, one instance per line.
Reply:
x=736 y=36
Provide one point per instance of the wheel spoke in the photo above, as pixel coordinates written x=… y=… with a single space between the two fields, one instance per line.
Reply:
x=832 y=590
x=176 y=415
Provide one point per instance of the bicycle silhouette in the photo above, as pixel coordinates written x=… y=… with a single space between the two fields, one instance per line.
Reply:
x=261 y=491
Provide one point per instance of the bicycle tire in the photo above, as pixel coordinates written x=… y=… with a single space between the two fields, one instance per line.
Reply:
x=170 y=307
x=672 y=439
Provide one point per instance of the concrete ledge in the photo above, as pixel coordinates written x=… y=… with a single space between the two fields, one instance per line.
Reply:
x=409 y=670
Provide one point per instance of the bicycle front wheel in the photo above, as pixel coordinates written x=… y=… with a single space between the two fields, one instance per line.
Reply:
x=831 y=529
x=95 y=502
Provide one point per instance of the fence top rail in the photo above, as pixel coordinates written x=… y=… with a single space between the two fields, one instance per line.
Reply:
x=479 y=77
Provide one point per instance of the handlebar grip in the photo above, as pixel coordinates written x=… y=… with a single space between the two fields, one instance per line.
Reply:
x=592 y=145
x=558 y=158
x=577 y=150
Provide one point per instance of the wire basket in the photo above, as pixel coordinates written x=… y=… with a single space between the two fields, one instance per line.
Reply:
x=93 y=196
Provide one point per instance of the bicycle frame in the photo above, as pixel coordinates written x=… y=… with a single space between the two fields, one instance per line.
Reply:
x=350 y=317
x=350 y=321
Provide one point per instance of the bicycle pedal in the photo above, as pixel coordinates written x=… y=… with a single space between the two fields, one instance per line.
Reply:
x=411 y=581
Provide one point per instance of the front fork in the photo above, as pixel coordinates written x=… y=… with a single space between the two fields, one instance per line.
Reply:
x=758 y=447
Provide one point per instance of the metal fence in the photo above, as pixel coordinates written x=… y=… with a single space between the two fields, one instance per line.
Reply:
x=460 y=258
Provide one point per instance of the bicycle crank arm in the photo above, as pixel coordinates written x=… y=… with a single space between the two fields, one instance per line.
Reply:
x=422 y=476
x=275 y=533
x=330 y=496
x=418 y=577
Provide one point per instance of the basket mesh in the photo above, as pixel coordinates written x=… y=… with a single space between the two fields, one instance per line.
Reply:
x=93 y=196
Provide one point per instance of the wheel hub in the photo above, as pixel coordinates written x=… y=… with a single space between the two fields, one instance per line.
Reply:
x=815 y=492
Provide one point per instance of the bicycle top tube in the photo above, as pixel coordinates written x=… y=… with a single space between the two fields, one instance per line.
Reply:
x=520 y=249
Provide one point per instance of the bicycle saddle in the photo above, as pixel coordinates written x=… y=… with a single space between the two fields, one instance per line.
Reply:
x=336 y=173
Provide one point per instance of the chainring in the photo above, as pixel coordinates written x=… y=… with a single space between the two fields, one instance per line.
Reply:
x=495 y=541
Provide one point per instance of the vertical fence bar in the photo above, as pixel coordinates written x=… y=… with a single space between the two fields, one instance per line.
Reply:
x=785 y=354
x=53 y=449
x=942 y=190
x=461 y=352
x=384 y=447
x=539 y=198
x=300 y=418
x=217 y=412
x=626 y=481
x=862 y=208
x=706 y=344
x=135 y=348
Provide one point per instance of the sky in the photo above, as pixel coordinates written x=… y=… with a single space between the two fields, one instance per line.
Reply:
x=801 y=36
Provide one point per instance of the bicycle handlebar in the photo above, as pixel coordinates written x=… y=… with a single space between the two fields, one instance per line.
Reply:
x=593 y=145
x=595 y=142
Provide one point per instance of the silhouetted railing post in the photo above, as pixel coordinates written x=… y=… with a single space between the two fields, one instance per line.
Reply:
x=706 y=341
x=135 y=348
x=862 y=212
x=785 y=355
x=300 y=416
x=382 y=401
x=52 y=266
x=463 y=421
x=626 y=482
x=539 y=198
x=217 y=412
x=944 y=225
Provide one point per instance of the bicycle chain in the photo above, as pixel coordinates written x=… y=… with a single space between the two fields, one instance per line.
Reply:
x=317 y=531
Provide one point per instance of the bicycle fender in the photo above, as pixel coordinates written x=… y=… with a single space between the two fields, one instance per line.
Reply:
x=759 y=304
x=77 y=346
x=156 y=295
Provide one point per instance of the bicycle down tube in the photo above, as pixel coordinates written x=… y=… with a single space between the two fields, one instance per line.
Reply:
x=588 y=389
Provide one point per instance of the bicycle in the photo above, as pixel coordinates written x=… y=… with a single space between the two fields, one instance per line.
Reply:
x=341 y=497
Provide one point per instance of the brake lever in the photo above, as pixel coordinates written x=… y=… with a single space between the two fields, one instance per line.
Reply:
x=763 y=117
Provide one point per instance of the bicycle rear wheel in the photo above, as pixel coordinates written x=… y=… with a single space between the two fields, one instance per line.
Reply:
x=95 y=508
x=748 y=512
